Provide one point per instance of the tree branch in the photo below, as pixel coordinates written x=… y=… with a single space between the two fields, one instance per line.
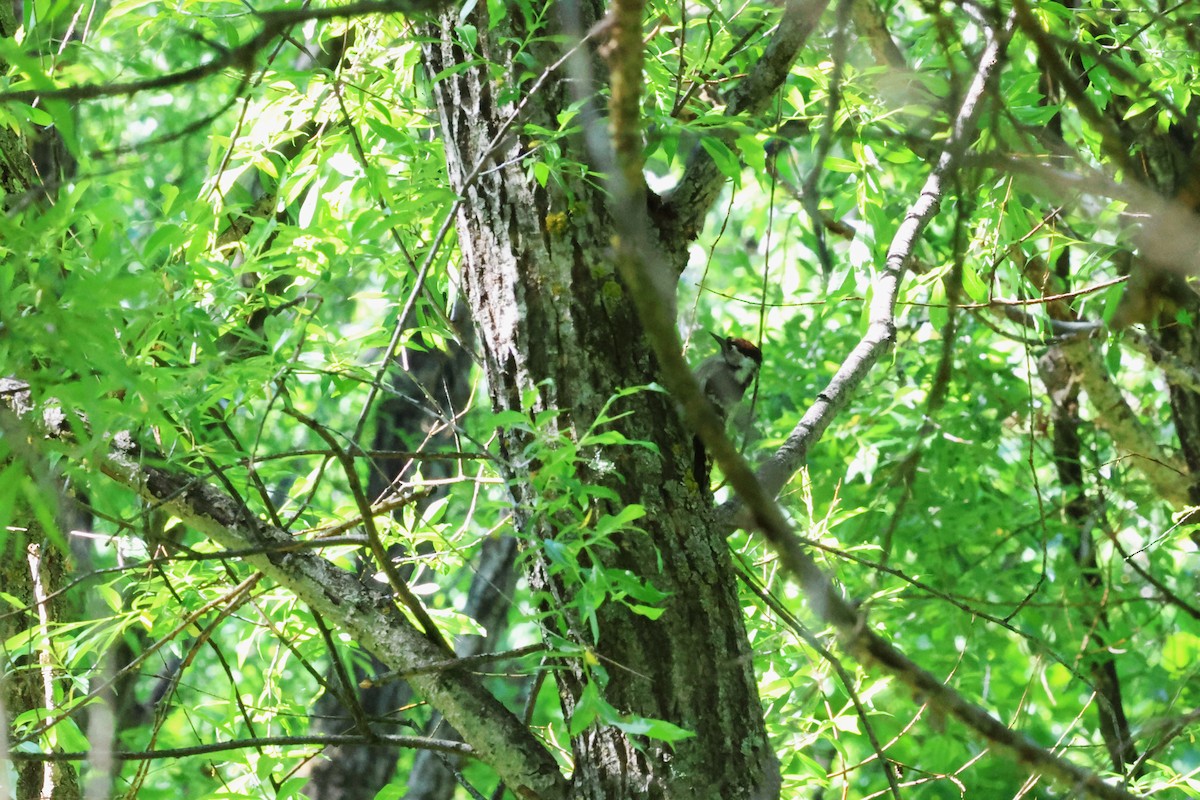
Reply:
x=1165 y=471
x=872 y=24
x=625 y=53
x=274 y=22
x=881 y=330
x=686 y=205
x=417 y=742
x=496 y=736
x=857 y=637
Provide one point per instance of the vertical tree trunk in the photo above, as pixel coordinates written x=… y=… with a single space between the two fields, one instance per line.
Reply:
x=554 y=324
x=33 y=566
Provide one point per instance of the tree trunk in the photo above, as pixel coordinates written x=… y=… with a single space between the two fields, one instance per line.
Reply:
x=555 y=325
x=33 y=567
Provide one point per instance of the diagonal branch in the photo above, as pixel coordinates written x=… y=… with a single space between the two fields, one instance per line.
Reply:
x=274 y=23
x=881 y=331
x=871 y=22
x=1113 y=415
x=857 y=636
x=686 y=205
x=1112 y=412
x=496 y=735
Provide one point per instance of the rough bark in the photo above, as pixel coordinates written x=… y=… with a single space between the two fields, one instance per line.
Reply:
x=33 y=566
x=555 y=324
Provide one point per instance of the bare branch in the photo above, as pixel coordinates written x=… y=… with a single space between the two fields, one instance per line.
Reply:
x=1165 y=471
x=625 y=53
x=871 y=23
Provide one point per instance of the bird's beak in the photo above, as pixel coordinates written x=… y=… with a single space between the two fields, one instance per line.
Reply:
x=719 y=339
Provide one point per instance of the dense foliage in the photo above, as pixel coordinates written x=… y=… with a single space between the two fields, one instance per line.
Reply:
x=228 y=267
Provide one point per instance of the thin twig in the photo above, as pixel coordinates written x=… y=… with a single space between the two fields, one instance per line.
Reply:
x=334 y=740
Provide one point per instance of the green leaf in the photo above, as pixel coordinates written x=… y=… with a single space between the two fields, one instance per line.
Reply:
x=588 y=709
x=66 y=735
x=468 y=33
x=834 y=164
x=725 y=159
x=975 y=288
x=497 y=13
x=37 y=116
x=753 y=152
x=1180 y=653
x=611 y=523
x=454 y=623
x=650 y=612
x=657 y=729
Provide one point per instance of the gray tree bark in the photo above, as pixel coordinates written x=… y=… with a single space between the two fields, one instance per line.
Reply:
x=555 y=324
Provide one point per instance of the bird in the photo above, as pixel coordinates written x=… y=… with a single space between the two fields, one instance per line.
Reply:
x=724 y=379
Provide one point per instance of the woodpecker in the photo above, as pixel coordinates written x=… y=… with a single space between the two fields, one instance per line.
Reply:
x=726 y=376
x=724 y=379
